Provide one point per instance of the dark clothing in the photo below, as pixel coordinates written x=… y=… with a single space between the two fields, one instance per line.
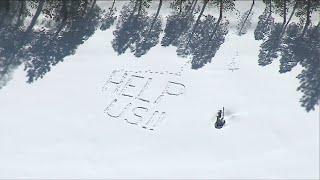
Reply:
x=220 y=121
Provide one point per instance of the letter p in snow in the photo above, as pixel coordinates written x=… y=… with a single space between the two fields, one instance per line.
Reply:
x=175 y=89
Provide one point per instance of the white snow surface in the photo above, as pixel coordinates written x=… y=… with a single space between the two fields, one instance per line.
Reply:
x=57 y=127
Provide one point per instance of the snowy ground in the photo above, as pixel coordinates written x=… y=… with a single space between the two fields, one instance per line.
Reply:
x=59 y=127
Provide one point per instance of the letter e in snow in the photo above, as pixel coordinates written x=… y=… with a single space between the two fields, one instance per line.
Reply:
x=131 y=86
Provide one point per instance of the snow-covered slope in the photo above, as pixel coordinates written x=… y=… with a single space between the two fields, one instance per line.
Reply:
x=58 y=127
x=100 y=115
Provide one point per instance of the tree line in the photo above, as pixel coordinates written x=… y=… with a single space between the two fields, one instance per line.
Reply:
x=38 y=34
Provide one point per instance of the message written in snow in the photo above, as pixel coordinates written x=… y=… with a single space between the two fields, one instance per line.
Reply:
x=139 y=97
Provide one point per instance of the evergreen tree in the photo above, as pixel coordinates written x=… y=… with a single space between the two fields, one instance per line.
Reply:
x=310 y=75
x=48 y=49
x=150 y=33
x=270 y=48
x=130 y=26
x=265 y=23
x=212 y=36
x=109 y=17
x=245 y=21
x=179 y=22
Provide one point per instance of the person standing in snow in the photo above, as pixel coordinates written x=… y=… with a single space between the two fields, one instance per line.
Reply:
x=220 y=119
